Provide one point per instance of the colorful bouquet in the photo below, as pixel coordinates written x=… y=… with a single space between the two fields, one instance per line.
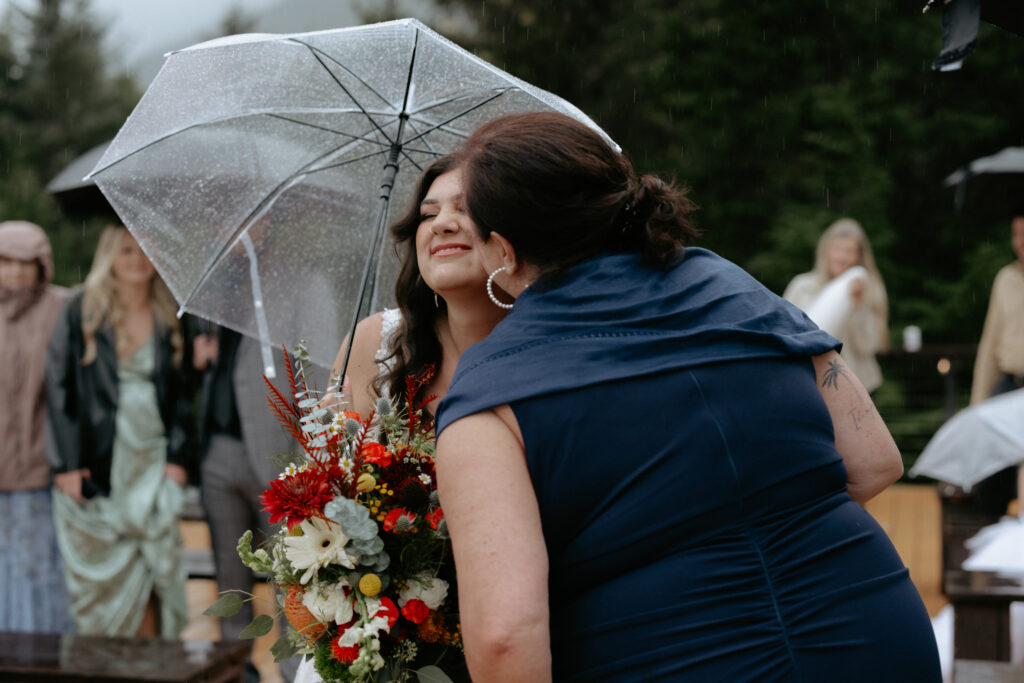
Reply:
x=362 y=560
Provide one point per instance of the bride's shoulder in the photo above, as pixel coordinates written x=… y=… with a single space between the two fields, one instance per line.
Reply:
x=375 y=333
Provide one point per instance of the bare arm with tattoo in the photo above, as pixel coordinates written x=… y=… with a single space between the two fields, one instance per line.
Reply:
x=871 y=456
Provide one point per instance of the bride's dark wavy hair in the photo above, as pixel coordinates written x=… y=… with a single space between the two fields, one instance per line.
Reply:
x=581 y=197
x=415 y=344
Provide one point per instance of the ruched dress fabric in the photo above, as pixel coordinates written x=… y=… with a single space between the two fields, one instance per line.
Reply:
x=122 y=548
x=696 y=515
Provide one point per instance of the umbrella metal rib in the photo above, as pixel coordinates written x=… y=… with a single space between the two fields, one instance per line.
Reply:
x=256 y=213
x=390 y=171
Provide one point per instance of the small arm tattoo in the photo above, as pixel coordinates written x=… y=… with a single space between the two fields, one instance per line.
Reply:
x=832 y=373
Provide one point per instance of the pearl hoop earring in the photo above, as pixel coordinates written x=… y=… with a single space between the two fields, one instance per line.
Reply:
x=490 y=289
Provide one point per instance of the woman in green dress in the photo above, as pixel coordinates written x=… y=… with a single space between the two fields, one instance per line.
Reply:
x=119 y=408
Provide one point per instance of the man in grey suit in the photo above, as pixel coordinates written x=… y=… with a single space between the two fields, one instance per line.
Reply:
x=240 y=444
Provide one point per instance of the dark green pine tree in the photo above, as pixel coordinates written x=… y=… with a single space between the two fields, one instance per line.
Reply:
x=784 y=116
x=58 y=98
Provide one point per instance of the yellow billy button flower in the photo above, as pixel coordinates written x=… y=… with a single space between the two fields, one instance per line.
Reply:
x=369 y=585
x=366 y=482
x=295 y=531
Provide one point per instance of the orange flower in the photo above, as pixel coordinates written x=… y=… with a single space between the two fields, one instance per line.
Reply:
x=301 y=619
x=375 y=454
x=345 y=655
x=432 y=629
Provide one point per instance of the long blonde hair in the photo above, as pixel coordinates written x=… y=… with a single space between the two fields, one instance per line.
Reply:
x=874 y=293
x=101 y=305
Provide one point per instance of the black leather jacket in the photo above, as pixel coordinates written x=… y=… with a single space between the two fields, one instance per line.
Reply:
x=82 y=400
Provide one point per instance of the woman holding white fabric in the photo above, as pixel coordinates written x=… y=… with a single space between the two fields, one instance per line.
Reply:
x=122 y=427
x=844 y=294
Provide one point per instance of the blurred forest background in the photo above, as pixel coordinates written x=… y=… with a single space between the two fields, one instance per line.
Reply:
x=780 y=116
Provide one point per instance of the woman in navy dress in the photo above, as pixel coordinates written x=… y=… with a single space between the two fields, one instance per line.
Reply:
x=651 y=468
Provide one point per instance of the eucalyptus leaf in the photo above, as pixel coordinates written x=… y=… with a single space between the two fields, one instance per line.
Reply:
x=432 y=674
x=227 y=605
x=283 y=649
x=260 y=626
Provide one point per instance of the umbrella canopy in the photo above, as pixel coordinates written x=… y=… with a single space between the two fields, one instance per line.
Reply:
x=73 y=192
x=257 y=170
x=960 y=20
x=976 y=442
x=1003 y=174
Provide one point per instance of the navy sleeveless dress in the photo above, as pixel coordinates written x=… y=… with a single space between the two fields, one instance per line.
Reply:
x=693 y=504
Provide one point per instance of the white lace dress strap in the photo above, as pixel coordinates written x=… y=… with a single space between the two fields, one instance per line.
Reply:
x=391 y=319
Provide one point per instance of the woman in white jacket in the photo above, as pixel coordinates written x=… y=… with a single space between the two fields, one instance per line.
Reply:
x=844 y=294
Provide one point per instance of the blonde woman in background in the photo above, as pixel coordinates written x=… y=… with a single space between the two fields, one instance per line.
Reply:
x=121 y=423
x=845 y=296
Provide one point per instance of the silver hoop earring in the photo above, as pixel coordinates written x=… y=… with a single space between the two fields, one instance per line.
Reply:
x=490 y=290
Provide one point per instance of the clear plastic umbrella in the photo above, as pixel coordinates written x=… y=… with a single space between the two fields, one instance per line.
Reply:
x=976 y=442
x=257 y=170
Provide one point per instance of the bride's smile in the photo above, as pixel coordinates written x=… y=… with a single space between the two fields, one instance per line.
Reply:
x=445 y=238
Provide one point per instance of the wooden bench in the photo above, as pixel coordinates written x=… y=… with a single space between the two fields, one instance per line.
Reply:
x=961 y=519
x=972 y=671
x=981 y=613
x=981 y=600
x=67 y=657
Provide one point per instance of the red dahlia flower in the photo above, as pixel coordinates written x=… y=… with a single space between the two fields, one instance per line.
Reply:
x=297 y=497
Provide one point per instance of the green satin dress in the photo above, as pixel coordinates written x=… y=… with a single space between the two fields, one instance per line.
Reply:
x=120 y=549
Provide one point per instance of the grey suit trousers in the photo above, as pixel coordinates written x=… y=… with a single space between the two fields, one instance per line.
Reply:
x=230 y=493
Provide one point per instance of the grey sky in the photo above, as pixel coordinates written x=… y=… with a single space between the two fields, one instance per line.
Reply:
x=139 y=32
x=144 y=27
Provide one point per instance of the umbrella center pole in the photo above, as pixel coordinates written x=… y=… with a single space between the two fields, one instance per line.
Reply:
x=391 y=167
x=367 y=288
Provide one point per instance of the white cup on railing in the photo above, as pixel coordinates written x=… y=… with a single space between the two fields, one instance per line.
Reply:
x=911 y=338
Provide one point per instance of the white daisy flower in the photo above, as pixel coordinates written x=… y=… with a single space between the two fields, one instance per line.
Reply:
x=321 y=543
x=425 y=478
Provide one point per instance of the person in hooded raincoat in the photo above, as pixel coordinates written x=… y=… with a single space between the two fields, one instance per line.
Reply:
x=32 y=593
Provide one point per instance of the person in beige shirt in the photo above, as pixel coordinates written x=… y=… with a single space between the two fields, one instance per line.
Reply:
x=999 y=365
